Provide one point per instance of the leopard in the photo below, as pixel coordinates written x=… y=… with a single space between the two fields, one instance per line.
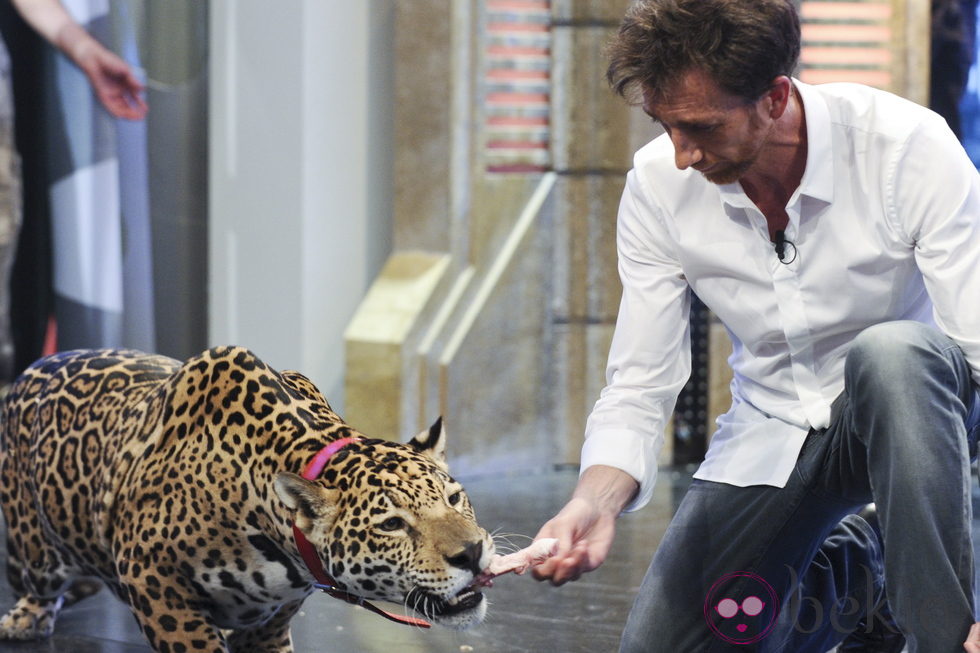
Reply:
x=179 y=486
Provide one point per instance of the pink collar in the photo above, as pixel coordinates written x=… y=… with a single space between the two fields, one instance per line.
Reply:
x=324 y=581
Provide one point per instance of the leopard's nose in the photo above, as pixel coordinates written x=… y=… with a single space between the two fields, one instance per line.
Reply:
x=468 y=558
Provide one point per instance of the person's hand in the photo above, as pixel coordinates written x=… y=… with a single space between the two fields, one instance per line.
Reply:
x=114 y=84
x=972 y=643
x=585 y=536
x=111 y=78
x=586 y=526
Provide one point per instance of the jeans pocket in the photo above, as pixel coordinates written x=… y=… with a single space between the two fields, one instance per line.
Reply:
x=810 y=462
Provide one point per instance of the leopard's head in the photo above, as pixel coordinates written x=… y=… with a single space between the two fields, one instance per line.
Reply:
x=391 y=524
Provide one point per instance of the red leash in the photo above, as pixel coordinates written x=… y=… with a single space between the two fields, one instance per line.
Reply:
x=324 y=581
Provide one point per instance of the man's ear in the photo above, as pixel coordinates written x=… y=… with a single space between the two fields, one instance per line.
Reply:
x=778 y=96
x=432 y=443
x=310 y=501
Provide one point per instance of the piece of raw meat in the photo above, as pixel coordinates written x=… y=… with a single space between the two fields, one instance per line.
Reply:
x=519 y=561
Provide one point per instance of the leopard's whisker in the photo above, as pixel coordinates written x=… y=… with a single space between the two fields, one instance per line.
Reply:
x=504 y=543
x=413 y=609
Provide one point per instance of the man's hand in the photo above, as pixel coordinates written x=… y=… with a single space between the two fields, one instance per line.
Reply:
x=586 y=526
x=972 y=643
x=584 y=535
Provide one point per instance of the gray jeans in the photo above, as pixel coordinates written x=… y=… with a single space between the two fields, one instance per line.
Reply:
x=793 y=569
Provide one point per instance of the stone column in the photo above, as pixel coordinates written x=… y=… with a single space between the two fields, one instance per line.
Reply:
x=594 y=136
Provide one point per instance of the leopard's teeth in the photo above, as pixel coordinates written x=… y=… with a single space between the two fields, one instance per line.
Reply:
x=466 y=593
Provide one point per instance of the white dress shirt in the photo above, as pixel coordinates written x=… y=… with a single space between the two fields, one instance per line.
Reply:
x=886 y=226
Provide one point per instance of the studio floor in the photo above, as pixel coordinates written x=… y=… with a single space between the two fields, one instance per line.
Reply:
x=524 y=617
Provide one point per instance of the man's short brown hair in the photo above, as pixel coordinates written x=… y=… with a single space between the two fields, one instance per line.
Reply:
x=742 y=44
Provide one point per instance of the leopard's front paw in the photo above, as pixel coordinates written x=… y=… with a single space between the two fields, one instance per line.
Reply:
x=30 y=619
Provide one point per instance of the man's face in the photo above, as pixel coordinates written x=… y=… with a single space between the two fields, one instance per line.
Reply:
x=716 y=133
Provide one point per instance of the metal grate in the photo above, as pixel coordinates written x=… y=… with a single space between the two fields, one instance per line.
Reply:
x=847 y=41
x=517 y=86
x=691 y=411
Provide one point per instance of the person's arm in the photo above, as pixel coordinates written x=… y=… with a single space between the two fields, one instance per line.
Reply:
x=936 y=206
x=585 y=527
x=649 y=362
x=111 y=78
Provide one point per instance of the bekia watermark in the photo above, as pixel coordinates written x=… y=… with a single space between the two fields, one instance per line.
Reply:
x=745 y=617
x=742 y=607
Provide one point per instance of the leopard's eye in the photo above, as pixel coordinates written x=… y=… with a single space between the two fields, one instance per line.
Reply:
x=455 y=498
x=392 y=524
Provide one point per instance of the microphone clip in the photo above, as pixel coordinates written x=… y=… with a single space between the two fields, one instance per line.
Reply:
x=780 y=244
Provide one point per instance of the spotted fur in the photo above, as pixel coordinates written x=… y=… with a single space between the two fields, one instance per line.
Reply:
x=176 y=486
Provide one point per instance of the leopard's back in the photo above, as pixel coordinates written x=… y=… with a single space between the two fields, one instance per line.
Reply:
x=65 y=421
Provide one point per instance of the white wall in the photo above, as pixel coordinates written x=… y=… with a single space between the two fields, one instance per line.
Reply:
x=300 y=181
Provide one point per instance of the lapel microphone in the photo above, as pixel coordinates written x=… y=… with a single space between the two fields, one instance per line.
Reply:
x=780 y=245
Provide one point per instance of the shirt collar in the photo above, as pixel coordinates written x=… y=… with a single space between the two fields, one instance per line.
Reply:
x=818 y=176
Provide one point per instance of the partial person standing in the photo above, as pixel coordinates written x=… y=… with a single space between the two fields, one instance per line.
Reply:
x=115 y=85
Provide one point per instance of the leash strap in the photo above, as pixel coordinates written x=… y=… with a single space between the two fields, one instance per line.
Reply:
x=324 y=582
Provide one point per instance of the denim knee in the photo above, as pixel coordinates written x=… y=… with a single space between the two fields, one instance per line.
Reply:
x=912 y=372
x=896 y=354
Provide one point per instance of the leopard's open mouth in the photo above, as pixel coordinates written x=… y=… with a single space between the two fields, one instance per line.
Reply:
x=433 y=607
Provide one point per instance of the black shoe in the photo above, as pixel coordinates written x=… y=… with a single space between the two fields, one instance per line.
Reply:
x=882 y=634
x=882 y=637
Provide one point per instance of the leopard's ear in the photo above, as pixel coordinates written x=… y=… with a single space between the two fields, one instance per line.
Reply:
x=432 y=443
x=310 y=501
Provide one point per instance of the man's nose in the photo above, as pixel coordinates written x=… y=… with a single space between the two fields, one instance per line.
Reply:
x=686 y=152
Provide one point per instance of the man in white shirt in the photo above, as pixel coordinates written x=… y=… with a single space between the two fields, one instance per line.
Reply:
x=835 y=231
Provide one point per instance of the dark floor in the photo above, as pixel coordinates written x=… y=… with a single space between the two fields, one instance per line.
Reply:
x=524 y=616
